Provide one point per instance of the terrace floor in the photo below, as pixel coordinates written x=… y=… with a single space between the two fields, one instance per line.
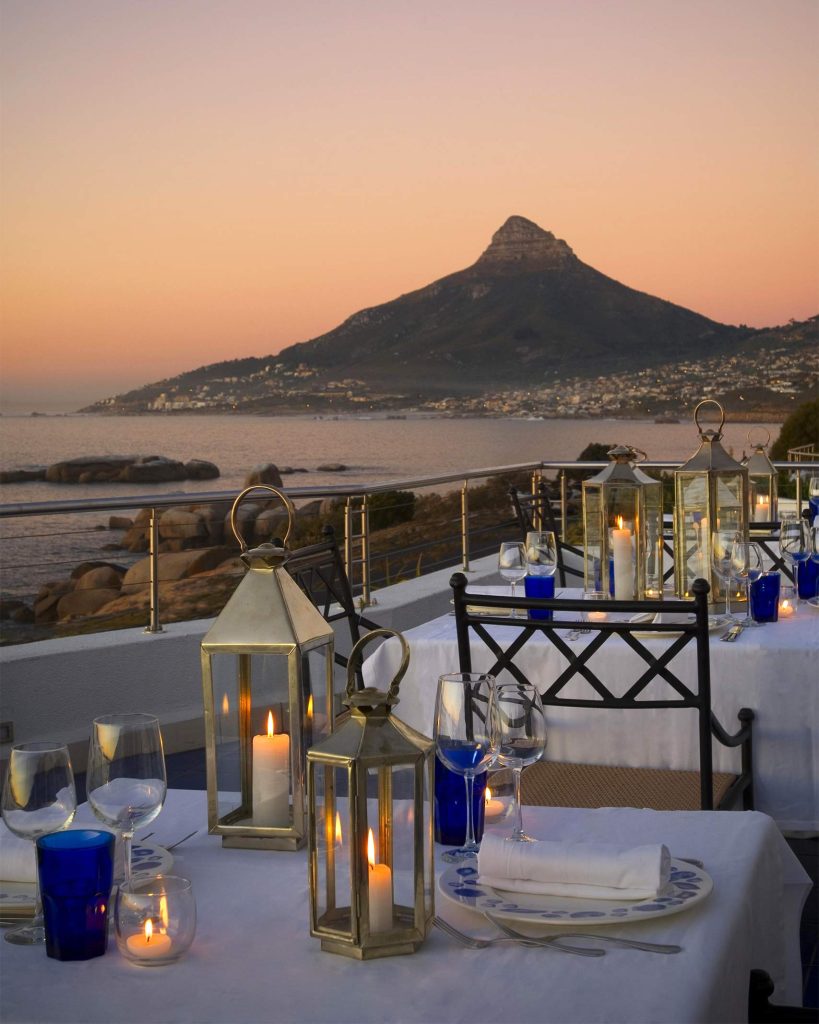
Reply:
x=187 y=771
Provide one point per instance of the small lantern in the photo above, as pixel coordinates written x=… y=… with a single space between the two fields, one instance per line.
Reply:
x=710 y=493
x=623 y=530
x=370 y=790
x=267 y=676
x=762 y=483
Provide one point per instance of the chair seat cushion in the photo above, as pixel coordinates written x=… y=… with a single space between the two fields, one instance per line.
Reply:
x=557 y=784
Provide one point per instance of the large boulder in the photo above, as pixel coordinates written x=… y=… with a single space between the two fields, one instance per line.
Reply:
x=104 y=577
x=272 y=522
x=245 y=518
x=175 y=565
x=332 y=467
x=48 y=596
x=120 y=523
x=201 y=469
x=186 y=528
x=264 y=473
x=213 y=516
x=22 y=474
x=84 y=602
x=86 y=567
x=91 y=468
x=152 y=469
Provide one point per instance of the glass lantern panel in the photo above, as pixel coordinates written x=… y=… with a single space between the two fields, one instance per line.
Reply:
x=651 y=534
x=398 y=851
x=333 y=862
x=319 y=707
x=225 y=684
x=692 y=517
x=592 y=538
x=761 y=501
x=729 y=495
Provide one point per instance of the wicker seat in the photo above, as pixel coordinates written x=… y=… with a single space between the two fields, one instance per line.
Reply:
x=588 y=785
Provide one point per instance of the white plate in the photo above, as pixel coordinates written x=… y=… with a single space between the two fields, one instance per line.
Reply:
x=17 y=898
x=688 y=885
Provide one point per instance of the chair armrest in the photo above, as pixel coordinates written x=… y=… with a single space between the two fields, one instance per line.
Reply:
x=742 y=735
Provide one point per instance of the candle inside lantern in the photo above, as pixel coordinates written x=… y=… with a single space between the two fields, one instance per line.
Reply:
x=623 y=562
x=148 y=945
x=492 y=809
x=380 y=890
x=271 y=777
x=786 y=609
x=762 y=509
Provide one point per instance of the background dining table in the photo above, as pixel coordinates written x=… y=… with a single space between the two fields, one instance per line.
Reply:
x=253 y=958
x=773 y=669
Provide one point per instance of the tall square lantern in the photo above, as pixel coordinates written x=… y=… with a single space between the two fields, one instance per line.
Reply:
x=710 y=493
x=267 y=678
x=370 y=788
x=623 y=529
x=762 y=482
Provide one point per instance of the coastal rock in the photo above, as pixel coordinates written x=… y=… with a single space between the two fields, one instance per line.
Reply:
x=84 y=602
x=185 y=527
x=174 y=566
x=198 y=596
x=22 y=474
x=9 y=605
x=136 y=539
x=213 y=515
x=332 y=467
x=85 y=567
x=152 y=469
x=245 y=519
x=269 y=523
x=120 y=523
x=22 y=615
x=45 y=605
x=93 y=468
x=105 y=577
x=201 y=469
x=264 y=473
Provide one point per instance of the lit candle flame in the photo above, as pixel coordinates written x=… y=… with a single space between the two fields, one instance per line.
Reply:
x=488 y=796
x=619 y=522
x=149 y=930
x=271 y=731
x=370 y=848
x=225 y=705
x=310 y=707
x=163 y=913
x=338 y=829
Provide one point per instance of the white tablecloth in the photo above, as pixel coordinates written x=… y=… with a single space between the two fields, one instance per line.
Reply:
x=773 y=669
x=253 y=958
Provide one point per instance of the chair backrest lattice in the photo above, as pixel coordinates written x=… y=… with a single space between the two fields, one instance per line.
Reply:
x=532 y=508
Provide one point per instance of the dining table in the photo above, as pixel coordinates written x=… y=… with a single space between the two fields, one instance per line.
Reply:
x=253 y=958
x=772 y=668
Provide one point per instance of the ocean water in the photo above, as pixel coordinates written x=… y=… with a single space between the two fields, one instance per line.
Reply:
x=374 y=450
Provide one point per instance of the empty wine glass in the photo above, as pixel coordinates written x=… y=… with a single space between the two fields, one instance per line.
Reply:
x=126 y=774
x=722 y=543
x=541 y=553
x=512 y=563
x=746 y=563
x=465 y=737
x=521 y=738
x=794 y=544
x=38 y=798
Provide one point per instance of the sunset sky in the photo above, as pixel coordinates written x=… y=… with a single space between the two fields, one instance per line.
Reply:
x=187 y=181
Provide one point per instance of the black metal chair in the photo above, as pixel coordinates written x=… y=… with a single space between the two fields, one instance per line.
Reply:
x=556 y=784
x=530 y=508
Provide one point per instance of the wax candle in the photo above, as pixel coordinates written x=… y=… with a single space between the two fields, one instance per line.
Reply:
x=623 y=563
x=786 y=609
x=148 y=945
x=492 y=809
x=271 y=777
x=762 y=510
x=380 y=884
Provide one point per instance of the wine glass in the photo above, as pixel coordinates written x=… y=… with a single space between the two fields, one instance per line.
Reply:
x=38 y=798
x=512 y=563
x=722 y=543
x=126 y=779
x=746 y=563
x=521 y=737
x=541 y=553
x=465 y=737
x=794 y=544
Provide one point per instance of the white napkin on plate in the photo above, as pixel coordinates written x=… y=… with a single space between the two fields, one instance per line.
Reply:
x=17 y=857
x=584 y=870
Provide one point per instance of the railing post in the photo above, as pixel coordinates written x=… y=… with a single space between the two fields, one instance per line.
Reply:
x=537 y=512
x=154 y=625
x=465 y=526
x=366 y=598
x=564 y=498
x=348 y=539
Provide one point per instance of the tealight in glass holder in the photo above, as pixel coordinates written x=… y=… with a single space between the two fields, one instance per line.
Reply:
x=155 y=919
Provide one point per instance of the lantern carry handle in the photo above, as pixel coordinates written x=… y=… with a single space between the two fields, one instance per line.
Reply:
x=288 y=504
x=710 y=401
x=354 y=662
x=759 y=444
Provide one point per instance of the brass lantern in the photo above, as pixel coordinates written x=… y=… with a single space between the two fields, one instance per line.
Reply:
x=762 y=483
x=623 y=529
x=710 y=493
x=267 y=677
x=370 y=788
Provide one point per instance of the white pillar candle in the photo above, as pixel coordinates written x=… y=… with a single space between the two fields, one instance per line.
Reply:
x=149 y=945
x=380 y=890
x=762 y=510
x=623 y=563
x=271 y=778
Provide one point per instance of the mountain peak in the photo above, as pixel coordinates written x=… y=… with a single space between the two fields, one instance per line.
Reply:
x=521 y=240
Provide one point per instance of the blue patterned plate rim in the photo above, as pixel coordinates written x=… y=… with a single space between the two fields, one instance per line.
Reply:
x=688 y=885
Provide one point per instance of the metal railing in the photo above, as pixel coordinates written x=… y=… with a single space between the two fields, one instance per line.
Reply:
x=356 y=517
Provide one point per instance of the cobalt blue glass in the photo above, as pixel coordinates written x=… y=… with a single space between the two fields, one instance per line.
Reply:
x=765 y=597
x=76 y=870
x=807 y=572
x=450 y=806
x=542 y=587
x=598 y=576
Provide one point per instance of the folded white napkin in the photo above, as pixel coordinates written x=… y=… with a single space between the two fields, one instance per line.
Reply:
x=17 y=857
x=585 y=870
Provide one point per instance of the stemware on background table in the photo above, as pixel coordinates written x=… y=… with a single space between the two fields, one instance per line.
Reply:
x=541 y=565
x=126 y=778
x=722 y=546
x=512 y=563
x=465 y=726
x=521 y=737
x=38 y=798
x=746 y=564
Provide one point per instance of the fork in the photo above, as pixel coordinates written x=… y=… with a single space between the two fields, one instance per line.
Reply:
x=732 y=633
x=471 y=942
x=179 y=842
x=648 y=947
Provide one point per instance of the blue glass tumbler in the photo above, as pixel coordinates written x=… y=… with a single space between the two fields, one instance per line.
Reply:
x=542 y=587
x=765 y=597
x=807 y=572
x=76 y=870
x=450 y=806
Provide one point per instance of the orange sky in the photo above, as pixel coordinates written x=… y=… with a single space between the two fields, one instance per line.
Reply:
x=193 y=180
